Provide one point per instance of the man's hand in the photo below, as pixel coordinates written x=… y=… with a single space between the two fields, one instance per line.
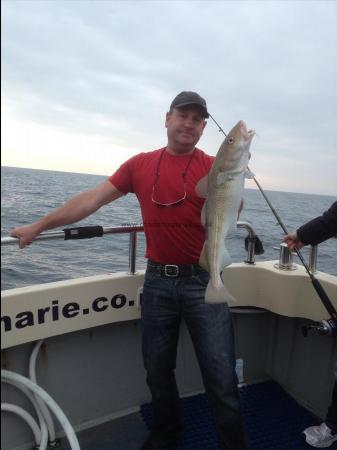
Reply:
x=293 y=241
x=26 y=234
x=74 y=210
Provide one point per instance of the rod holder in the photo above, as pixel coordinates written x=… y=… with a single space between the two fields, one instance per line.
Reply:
x=285 y=258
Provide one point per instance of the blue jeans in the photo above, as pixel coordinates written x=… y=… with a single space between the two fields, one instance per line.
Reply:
x=165 y=302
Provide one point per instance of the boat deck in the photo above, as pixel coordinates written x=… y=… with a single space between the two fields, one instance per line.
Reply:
x=273 y=421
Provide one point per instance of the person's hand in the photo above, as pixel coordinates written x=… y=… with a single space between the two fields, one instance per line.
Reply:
x=26 y=234
x=293 y=241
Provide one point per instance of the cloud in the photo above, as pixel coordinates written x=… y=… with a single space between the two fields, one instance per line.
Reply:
x=111 y=69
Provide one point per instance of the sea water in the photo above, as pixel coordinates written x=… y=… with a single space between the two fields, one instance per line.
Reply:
x=28 y=194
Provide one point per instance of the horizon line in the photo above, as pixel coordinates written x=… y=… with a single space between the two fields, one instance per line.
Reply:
x=103 y=175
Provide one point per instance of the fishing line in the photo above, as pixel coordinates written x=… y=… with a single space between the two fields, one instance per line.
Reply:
x=316 y=284
x=220 y=129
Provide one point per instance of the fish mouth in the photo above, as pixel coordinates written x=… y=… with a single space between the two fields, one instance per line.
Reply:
x=248 y=134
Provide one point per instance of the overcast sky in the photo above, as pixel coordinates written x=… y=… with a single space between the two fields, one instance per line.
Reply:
x=86 y=84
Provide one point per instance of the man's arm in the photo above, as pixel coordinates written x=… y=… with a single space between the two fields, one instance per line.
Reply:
x=75 y=209
x=321 y=228
x=315 y=231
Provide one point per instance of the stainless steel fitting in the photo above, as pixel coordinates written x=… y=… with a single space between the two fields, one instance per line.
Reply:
x=285 y=258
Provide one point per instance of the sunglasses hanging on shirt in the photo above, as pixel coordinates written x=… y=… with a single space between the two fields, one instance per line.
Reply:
x=181 y=199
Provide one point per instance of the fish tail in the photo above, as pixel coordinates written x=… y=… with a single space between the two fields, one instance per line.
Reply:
x=218 y=294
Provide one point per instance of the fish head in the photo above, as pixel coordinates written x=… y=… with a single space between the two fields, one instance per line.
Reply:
x=234 y=151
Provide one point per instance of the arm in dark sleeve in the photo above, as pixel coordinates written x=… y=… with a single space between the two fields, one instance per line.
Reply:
x=319 y=229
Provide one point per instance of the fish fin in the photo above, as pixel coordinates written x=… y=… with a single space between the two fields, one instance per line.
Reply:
x=203 y=260
x=220 y=295
x=223 y=177
x=203 y=215
x=249 y=174
x=201 y=187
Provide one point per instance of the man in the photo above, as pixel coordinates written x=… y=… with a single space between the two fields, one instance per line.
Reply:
x=164 y=182
x=314 y=232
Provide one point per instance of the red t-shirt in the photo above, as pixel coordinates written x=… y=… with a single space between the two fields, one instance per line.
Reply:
x=174 y=235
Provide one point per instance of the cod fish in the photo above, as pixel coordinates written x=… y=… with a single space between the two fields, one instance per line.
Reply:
x=223 y=190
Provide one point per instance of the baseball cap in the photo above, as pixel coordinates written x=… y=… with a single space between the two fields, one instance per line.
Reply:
x=186 y=98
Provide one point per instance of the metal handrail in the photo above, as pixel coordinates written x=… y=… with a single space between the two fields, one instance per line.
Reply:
x=132 y=231
x=49 y=235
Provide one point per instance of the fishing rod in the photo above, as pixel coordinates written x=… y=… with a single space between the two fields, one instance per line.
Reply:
x=316 y=284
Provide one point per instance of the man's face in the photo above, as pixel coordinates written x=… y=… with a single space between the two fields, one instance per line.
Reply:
x=184 y=128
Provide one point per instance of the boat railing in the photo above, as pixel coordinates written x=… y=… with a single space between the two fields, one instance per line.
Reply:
x=89 y=232
x=98 y=231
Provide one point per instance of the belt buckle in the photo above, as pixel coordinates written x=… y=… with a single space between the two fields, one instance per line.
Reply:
x=169 y=268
